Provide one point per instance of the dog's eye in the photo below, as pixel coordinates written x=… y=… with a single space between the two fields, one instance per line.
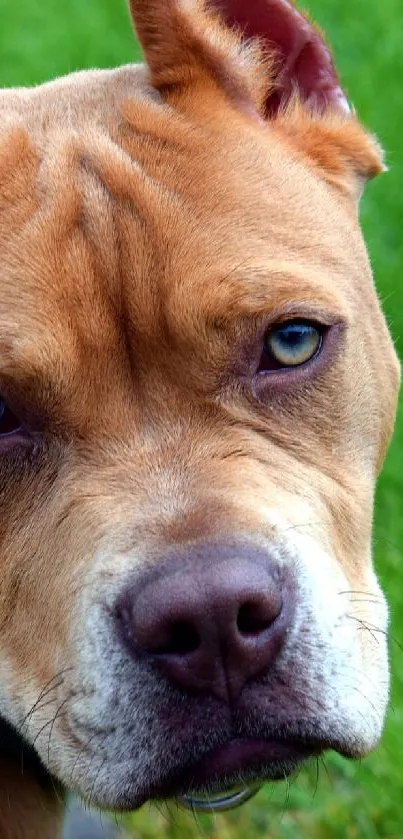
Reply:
x=291 y=344
x=9 y=423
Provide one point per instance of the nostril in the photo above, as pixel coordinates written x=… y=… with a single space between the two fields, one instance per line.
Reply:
x=209 y=618
x=182 y=638
x=254 y=618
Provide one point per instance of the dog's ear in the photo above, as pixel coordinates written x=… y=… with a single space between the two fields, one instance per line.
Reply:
x=186 y=43
x=269 y=61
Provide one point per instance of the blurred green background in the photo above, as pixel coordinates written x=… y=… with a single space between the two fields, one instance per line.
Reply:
x=43 y=38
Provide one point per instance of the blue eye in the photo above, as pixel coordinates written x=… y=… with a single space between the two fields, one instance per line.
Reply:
x=293 y=343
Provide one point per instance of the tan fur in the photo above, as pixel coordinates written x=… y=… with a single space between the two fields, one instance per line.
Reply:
x=186 y=45
x=345 y=155
x=151 y=226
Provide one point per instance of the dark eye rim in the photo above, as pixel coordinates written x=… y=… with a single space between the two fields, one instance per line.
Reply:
x=288 y=379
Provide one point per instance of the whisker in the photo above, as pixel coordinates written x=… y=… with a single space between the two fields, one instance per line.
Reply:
x=53 y=723
x=82 y=749
x=44 y=692
x=286 y=797
x=197 y=822
x=316 y=780
x=364 y=600
x=171 y=815
x=44 y=705
x=363 y=593
x=371 y=628
x=363 y=625
x=298 y=525
x=90 y=801
x=323 y=762
x=38 y=734
x=375 y=710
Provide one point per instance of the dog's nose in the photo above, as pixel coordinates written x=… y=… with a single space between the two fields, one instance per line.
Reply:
x=210 y=621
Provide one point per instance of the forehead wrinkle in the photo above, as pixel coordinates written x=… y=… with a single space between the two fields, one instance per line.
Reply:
x=126 y=179
x=70 y=348
x=55 y=251
x=71 y=253
x=18 y=161
x=128 y=252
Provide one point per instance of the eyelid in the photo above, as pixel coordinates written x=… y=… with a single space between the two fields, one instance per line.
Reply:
x=304 y=322
x=304 y=327
x=308 y=313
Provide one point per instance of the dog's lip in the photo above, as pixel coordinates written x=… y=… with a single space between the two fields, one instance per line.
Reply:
x=247 y=758
x=213 y=782
x=226 y=775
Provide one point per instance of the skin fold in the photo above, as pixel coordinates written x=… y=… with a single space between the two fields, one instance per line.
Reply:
x=156 y=222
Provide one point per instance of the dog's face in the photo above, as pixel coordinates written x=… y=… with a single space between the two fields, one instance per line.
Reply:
x=198 y=388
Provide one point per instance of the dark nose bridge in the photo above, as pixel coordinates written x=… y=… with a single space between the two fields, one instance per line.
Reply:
x=210 y=617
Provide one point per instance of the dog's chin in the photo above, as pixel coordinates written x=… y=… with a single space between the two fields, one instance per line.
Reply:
x=212 y=768
x=226 y=776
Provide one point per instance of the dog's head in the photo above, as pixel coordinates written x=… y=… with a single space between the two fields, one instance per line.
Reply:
x=197 y=391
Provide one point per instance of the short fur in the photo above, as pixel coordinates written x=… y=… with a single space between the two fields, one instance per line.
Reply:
x=153 y=223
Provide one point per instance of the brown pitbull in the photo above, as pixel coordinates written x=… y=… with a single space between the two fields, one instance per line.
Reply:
x=197 y=389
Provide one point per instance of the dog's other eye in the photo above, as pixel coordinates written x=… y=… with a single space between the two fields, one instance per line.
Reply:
x=9 y=423
x=291 y=344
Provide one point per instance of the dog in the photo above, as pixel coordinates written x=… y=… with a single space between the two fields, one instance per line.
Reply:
x=198 y=388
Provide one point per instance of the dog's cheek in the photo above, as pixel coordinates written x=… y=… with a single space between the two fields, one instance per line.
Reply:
x=348 y=657
x=324 y=531
x=33 y=607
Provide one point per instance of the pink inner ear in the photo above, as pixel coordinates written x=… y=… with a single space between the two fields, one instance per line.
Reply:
x=304 y=61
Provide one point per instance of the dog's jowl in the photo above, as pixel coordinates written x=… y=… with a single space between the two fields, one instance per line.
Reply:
x=197 y=390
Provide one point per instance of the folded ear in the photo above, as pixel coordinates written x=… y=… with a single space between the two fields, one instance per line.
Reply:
x=268 y=60
x=343 y=152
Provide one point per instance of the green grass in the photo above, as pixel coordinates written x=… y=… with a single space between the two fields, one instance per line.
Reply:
x=43 y=38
